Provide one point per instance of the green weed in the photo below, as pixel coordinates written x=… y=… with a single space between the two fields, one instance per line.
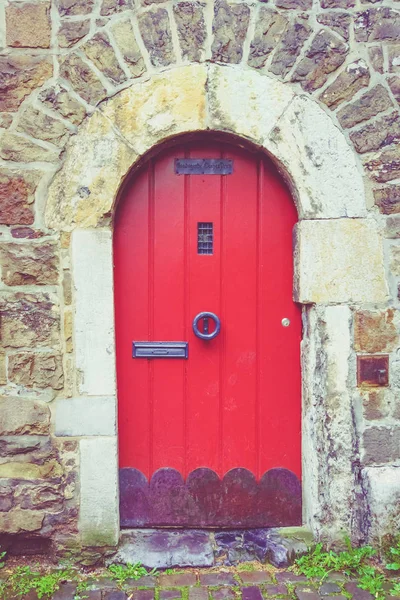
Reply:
x=120 y=573
x=319 y=563
x=394 y=555
x=22 y=580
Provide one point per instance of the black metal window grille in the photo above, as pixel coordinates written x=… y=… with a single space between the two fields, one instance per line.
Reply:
x=205 y=238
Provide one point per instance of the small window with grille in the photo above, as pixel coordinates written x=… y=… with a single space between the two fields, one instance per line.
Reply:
x=205 y=238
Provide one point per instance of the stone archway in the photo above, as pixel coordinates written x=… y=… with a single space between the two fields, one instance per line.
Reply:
x=332 y=234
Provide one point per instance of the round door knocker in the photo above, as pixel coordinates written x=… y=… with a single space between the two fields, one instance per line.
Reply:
x=206 y=316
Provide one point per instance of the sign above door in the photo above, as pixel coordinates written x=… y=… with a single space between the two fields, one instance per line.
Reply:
x=203 y=166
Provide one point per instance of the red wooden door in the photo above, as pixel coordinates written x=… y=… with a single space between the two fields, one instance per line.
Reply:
x=212 y=439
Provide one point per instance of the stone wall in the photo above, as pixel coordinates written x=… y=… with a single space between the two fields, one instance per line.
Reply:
x=78 y=77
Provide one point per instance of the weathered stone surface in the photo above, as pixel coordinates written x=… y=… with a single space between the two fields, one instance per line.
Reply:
x=16 y=197
x=253 y=109
x=42 y=497
x=382 y=23
x=101 y=53
x=381 y=445
x=325 y=55
x=20 y=521
x=382 y=485
x=19 y=445
x=71 y=32
x=270 y=26
x=386 y=166
x=255 y=577
x=375 y=404
x=86 y=416
x=27 y=470
x=23 y=416
x=67 y=287
x=392 y=230
x=29 y=264
x=62 y=102
x=6 y=498
x=356 y=274
x=163 y=549
x=370 y=104
x=394 y=84
x=375 y=331
x=95 y=163
x=156 y=33
x=26 y=233
x=110 y=7
x=28 y=320
x=294 y=4
x=20 y=149
x=395 y=260
x=19 y=76
x=98 y=488
x=82 y=79
x=191 y=26
x=380 y=133
x=3 y=368
x=95 y=347
x=394 y=58
x=68 y=330
x=40 y=370
x=28 y=24
x=347 y=84
x=321 y=153
x=229 y=28
x=39 y=125
x=337 y=3
x=178 y=580
x=339 y=22
x=69 y=8
x=170 y=103
x=375 y=54
x=126 y=41
x=290 y=47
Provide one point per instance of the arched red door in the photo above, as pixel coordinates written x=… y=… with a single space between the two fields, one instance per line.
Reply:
x=209 y=429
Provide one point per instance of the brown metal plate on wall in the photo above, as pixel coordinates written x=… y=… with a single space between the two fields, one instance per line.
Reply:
x=373 y=370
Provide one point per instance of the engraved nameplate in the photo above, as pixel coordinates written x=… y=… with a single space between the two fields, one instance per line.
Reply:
x=203 y=166
x=159 y=349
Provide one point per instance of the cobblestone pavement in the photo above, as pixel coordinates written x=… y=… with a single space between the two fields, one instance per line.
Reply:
x=246 y=585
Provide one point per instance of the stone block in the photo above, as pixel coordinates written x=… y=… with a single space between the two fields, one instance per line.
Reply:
x=269 y=29
x=70 y=8
x=43 y=127
x=82 y=78
x=28 y=320
x=86 y=416
x=375 y=331
x=255 y=577
x=377 y=135
x=125 y=38
x=392 y=230
x=395 y=260
x=382 y=484
x=375 y=404
x=22 y=416
x=71 y=32
x=171 y=103
x=367 y=106
x=339 y=261
x=191 y=27
x=375 y=54
x=381 y=445
x=382 y=23
x=170 y=594
x=58 y=99
x=339 y=22
x=68 y=331
x=347 y=84
x=43 y=370
x=217 y=579
x=165 y=548
x=324 y=56
x=21 y=521
x=99 y=514
x=255 y=107
x=17 y=191
x=95 y=346
x=28 y=24
x=290 y=46
x=386 y=166
x=20 y=445
x=229 y=28
x=17 y=148
x=3 y=368
x=84 y=191
x=388 y=199
x=99 y=50
x=156 y=33
x=321 y=153
x=29 y=264
x=110 y=7
x=178 y=580
x=20 y=75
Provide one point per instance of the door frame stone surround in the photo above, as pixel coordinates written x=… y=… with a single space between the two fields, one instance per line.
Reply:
x=338 y=265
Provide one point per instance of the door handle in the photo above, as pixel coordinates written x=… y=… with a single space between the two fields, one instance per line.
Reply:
x=206 y=316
